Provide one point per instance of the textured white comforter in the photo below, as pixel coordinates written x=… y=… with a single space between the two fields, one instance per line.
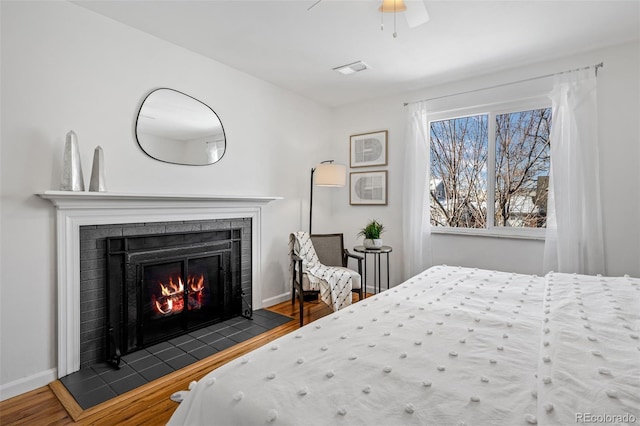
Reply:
x=589 y=364
x=451 y=346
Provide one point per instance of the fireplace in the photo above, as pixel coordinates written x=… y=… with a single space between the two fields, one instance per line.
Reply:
x=81 y=283
x=123 y=268
x=160 y=286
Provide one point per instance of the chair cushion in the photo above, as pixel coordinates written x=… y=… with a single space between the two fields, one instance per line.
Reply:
x=356 y=280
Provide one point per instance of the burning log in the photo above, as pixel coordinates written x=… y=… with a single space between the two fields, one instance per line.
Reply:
x=171 y=299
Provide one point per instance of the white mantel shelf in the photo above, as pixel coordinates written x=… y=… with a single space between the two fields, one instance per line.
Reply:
x=82 y=199
x=76 y=209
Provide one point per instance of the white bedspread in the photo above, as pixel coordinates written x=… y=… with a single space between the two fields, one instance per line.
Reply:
x=589 y=365
x=451 y=346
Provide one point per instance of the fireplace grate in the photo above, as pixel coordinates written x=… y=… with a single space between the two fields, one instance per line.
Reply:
x=165 y=285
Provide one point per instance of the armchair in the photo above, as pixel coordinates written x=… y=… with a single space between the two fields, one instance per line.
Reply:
x=331 y=252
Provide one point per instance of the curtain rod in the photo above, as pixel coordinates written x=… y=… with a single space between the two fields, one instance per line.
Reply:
x=596 y=66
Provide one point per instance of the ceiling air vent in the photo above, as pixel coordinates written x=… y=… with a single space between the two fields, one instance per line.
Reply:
x=351 y=68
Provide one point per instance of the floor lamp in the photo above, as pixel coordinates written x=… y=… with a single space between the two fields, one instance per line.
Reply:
x=326 y=174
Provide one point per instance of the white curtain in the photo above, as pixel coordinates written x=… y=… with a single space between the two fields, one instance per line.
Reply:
x=415 y=203
x=574 y=240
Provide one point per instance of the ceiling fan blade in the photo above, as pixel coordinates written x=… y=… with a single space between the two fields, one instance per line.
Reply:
x=313 y=5
x=416 y=13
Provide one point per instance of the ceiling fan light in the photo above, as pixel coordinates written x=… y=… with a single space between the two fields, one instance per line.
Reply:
x=391 y=6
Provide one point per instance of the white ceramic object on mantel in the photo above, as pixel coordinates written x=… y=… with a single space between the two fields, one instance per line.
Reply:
x=372 y=244
x=72 y=179
x=98 y=181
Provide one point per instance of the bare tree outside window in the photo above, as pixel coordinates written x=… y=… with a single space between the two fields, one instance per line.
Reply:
x=459 y=172
x=460 y=185
x=522 y=168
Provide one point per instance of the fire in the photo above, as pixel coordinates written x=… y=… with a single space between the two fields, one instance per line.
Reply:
x=171 y=299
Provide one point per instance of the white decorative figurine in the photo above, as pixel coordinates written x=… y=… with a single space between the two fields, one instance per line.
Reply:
x=72 y=179
x=98 y=182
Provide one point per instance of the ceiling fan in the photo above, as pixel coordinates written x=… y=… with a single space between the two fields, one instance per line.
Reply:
x=414 y=11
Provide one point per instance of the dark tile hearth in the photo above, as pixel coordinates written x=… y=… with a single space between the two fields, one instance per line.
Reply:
x=96 y=384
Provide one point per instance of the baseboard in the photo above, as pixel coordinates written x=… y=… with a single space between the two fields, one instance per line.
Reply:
x=287 y=296
x=276 y=299
x=370 y=289
x=26 y=384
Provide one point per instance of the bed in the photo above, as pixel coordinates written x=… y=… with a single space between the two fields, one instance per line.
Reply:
x=450 y=346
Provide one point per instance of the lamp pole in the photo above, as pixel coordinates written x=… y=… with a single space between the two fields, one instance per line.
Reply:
x=313 y=170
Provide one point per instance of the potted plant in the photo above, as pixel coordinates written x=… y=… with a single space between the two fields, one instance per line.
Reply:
x=371 y=234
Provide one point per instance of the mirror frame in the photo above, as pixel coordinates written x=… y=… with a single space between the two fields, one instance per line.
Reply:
x=135 y=129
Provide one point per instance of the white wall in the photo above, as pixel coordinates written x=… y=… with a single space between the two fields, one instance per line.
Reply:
x=64 y=67
x=618 y=104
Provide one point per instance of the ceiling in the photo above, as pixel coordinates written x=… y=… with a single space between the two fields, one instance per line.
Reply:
x=294 y=47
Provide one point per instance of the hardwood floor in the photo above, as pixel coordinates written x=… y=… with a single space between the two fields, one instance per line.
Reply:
x=146 y=405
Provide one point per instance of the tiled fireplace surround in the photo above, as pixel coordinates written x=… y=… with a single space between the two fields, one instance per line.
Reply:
x=75 y=210
x=94 y=280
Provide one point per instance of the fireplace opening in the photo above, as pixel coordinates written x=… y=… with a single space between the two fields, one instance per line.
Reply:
x=168 y=294
x=180 y=295
x=165 y=285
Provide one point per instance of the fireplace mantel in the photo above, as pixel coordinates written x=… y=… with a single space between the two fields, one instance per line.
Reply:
x=71 y=199
x=76 y=209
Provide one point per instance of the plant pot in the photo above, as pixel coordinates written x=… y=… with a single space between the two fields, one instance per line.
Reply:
x=372 y=244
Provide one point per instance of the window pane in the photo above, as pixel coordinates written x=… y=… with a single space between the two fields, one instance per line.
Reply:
x=522 y=168
x=458 y=184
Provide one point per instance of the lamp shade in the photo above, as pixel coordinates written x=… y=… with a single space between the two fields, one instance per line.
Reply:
x=392 y=6
x=329 y=174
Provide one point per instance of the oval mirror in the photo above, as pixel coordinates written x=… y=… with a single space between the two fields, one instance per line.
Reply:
x=176 y=128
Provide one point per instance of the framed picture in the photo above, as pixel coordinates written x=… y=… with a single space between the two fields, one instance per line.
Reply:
x=368 y=188
x=369 y=149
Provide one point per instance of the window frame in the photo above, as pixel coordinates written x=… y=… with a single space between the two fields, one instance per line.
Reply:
x=491 y=110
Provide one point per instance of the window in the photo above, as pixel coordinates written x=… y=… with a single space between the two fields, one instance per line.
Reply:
x=491 y=170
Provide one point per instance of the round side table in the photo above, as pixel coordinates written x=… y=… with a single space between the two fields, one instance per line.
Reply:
x=377 y=280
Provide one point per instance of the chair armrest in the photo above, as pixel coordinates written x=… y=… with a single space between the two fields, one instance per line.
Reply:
x=352 y=255
x=348 y=254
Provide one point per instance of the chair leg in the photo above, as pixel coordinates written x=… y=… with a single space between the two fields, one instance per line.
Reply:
x=301 y=299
